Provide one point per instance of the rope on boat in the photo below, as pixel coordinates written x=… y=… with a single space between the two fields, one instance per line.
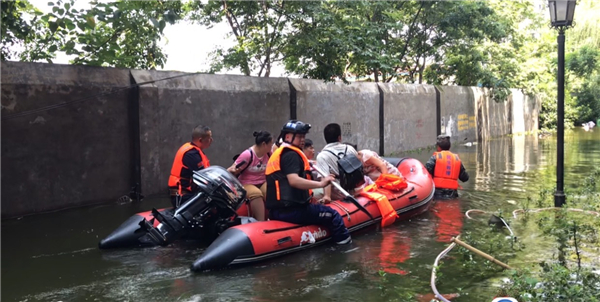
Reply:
x=434 y=268
x=343 y=208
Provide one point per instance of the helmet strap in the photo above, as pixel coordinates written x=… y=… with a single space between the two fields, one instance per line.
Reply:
x=293 y=137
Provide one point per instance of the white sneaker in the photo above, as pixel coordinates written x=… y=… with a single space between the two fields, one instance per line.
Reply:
x=345 y=241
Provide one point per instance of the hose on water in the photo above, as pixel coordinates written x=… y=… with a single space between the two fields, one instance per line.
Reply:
x=434 y=268
x=512 y=234
x=515 y=213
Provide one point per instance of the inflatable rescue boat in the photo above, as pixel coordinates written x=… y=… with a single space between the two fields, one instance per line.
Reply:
x=252 y=242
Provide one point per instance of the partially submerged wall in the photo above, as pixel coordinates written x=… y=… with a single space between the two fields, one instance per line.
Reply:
x=232 y=106
x=493 y=118
x=355 y=107
x=457 y=113
x=111 y=136
x=525 y=112
x=75 y=154
x=409 y=116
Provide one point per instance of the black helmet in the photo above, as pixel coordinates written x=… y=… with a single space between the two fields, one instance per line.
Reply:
x=443 y=138
x=296 y=127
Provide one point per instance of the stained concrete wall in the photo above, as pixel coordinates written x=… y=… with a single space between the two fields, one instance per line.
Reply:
x=232 y=106
x=457 y=113
x=525 y=112
x=87 y=151
x=355 y=107
x=493 y=118
x=409 y=116
x=73 y=155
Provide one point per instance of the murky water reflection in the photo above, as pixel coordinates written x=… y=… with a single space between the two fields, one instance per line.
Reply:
x=54 y=257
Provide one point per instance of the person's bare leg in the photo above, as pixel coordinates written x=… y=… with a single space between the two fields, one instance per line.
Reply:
x=257 y=206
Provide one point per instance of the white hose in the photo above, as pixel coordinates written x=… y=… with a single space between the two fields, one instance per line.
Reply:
x=475 y=211
x=435 y=264
x=484 y=212
x=515 y=212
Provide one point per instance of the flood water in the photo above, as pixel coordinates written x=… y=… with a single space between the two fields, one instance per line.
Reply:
x=54 y=257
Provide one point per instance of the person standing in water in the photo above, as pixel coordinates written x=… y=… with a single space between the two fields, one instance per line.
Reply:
x=446 y=169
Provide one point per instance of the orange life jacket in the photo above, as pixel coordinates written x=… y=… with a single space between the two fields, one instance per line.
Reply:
x=280 y=193
x=387 y=182
x=447 y=169
x=388 y=214
x=391 y=182
x=179 y=167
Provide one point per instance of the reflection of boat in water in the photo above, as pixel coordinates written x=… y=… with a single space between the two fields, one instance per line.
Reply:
x=395 y=249
x=451 y=219
x=248 y=243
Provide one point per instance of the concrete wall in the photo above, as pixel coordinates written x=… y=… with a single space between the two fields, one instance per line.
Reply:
x=115 y=135
x=355 y=107
x=409 y=117
x=525 y=112
x=232 y=106
x=457 y=113
x=493 y=119
x=73 y=155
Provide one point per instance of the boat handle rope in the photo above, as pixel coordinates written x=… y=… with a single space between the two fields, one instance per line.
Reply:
x=343 y=209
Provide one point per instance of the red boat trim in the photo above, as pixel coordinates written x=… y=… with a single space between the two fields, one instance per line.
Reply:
x=299 y=226
x=249 y=259
x=282 y=229
x=403 y=194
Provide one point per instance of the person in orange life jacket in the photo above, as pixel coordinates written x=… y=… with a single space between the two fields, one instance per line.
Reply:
x=190 y=157
x=446 y=169
x=289 y=186
x=252 y=173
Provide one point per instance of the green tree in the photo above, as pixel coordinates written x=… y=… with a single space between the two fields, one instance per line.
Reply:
x=342 y=39
x=392 y=40
x=259 y=28
x=583 y=69
x=117 y=34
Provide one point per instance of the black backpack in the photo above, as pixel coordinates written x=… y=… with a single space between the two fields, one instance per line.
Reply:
x=247 y=164
x=351 y=170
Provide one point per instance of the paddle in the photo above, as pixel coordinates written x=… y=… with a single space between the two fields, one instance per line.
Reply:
x=346 y=194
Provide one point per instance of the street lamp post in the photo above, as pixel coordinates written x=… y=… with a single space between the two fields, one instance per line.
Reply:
x=561 y=17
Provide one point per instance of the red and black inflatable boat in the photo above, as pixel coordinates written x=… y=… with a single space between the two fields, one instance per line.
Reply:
x=252 y=242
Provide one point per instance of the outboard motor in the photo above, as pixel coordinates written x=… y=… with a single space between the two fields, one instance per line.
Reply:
x=219 y=195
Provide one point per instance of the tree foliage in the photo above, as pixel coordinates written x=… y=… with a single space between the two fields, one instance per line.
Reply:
x=496 y=44
x=583 y=67
x=258 y=27
x=118 y=34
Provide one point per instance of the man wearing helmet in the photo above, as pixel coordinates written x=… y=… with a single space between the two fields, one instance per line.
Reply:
x=289 y=186
x=446 y=169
